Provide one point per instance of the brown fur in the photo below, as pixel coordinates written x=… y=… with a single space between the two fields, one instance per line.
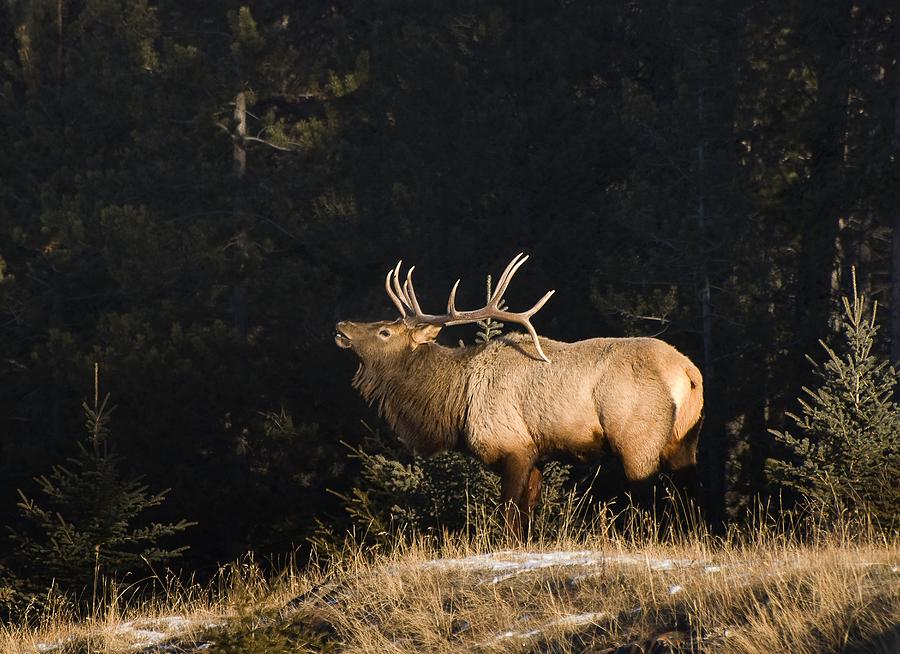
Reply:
x=638 y=397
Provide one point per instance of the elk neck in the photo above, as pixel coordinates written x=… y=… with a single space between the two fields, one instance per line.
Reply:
x=421 y=394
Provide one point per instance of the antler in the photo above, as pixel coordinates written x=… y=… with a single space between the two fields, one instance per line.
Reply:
x=404 y=297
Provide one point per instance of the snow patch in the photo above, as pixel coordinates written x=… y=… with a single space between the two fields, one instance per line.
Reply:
x=510 y=564
x=140 y=637
x=579 y=619
x=145 y=633
x=571 y=620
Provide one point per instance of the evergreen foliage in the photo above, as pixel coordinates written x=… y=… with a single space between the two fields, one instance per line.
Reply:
x=489 y=328
x=451 y=491
x=846 y=454
x=88 y=523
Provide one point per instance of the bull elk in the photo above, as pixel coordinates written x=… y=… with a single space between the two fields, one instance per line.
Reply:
x=516 y=400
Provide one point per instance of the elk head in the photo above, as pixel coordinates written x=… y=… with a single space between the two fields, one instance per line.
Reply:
x=374 y=341
x=384 y=338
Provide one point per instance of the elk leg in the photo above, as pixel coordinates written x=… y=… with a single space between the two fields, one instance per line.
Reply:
x=534 y=489
x=681 y=464
x=640 y=480
x=518 y=478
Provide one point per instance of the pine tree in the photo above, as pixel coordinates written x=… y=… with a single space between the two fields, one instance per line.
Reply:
x=88 y=524
x=847 y=452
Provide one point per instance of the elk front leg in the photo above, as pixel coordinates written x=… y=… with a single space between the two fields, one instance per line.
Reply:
x=534 y=489
x=520 y=490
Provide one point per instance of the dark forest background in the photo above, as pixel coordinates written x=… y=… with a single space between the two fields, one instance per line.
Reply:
x=193 y=193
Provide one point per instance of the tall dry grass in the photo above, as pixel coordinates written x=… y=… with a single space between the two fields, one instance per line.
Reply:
x=768 y=587
x=152 y=611
x=616 y=581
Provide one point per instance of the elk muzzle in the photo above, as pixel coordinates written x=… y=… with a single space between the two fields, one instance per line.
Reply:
x=340 y=335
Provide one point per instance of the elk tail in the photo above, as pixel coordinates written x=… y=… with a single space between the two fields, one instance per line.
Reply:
x=691 y=412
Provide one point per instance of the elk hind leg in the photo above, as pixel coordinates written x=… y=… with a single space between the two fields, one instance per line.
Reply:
x=680 y=461
x=641 y=478
x=640 y=455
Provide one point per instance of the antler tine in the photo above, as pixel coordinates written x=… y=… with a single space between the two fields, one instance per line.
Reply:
x=506 y=277
x=492 y=309
x=451 y=302
x=398 y=289
x=540 y=303
x=404 y=296
x=387 y=287
x=411 y=292
x=537 y=344
x=524 y=319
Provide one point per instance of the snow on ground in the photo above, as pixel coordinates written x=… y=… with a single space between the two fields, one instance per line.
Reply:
x=154 y=635
x=160 y=635
x=150 y=632
x=504 y=565
x=573 y=620
x=145 y=634
x=508 y=564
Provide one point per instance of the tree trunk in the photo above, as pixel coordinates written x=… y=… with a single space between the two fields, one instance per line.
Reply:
x=825 y=201
x=714 y=451
x=706 y=315
x=895 y=289
x=57 y=321
x=59 y=48
x=240 y=152
x=895 y=219
x=240 y=240
x=521 y=208
x=709 y=107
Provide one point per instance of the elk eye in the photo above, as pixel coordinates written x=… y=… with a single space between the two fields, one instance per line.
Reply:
x=384 y=333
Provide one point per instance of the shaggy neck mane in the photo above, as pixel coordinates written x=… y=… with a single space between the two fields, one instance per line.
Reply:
x=423 y=400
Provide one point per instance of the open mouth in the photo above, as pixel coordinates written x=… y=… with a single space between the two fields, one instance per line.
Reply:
x=342 y=339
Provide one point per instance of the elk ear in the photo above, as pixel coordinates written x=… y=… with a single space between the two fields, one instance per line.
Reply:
x=425 y=333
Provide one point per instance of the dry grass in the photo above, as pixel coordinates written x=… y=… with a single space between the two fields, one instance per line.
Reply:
x=172 y=611
x=595 y=590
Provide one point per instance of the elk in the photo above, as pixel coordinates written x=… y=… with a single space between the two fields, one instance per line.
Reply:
x=517 y=400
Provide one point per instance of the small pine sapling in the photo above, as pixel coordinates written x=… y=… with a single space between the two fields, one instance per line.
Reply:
x=88 y=523
x=490 y=328
x=846 y=454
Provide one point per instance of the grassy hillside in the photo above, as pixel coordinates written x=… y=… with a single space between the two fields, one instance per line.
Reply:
x=632 y=588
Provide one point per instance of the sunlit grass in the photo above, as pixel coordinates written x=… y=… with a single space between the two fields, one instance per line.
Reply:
x=616 y=580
